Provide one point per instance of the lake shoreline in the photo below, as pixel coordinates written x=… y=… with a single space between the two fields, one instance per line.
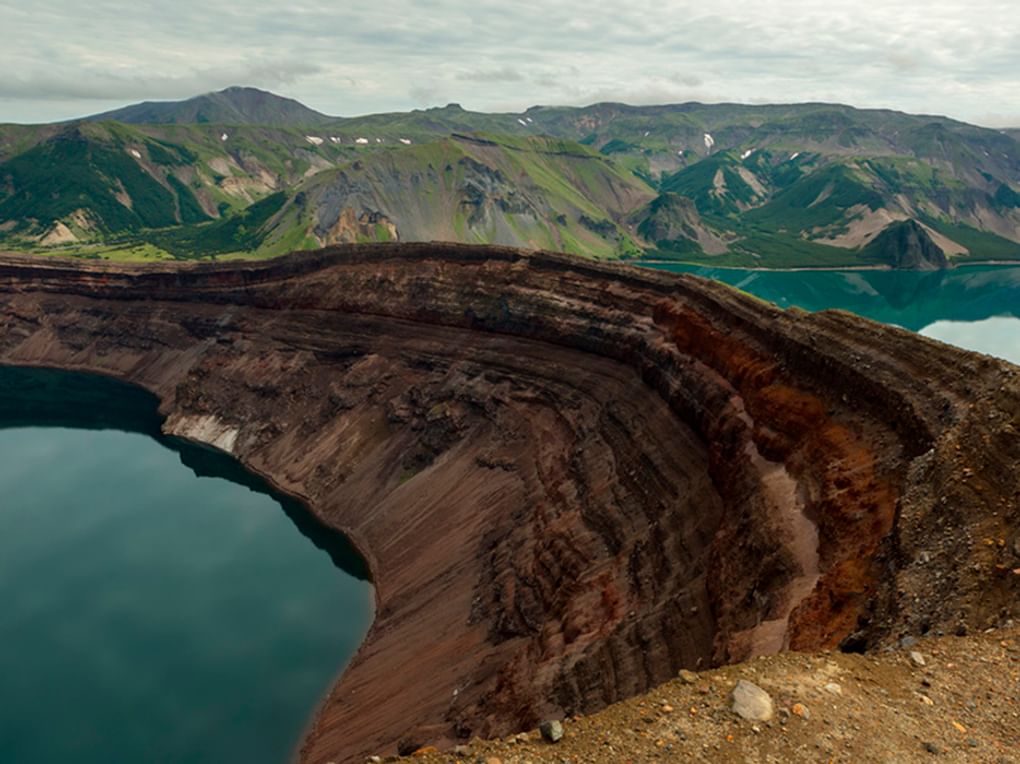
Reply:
x=821 y=268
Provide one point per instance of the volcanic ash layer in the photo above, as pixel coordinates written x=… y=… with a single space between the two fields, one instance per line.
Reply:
x=569 y=479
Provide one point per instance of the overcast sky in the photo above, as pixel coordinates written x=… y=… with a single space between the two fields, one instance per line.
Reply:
x=66 y=58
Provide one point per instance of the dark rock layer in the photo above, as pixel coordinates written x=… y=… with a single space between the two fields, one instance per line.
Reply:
x=569 y=479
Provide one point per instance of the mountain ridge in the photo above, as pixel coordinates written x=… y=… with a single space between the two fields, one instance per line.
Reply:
x=233 y=105
x=777 y=185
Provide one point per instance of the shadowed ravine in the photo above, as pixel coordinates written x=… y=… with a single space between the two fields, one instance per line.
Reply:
x=568 y=479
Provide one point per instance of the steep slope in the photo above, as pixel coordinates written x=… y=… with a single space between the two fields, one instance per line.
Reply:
x=672 y=222
x=73 y=180
x=906 y=245
x=570 y=479
x=658 y=138
x=232 y=106
x=108 y=182
x=530 y=192
x=810 y=208
x=772 y=186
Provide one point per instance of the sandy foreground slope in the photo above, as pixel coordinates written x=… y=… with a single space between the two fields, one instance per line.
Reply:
x=962 y=705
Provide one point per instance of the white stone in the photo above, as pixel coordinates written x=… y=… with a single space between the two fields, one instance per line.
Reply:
x=751 y=702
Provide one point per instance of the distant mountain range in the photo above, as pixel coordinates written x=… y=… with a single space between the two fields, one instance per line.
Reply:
x=243 y=172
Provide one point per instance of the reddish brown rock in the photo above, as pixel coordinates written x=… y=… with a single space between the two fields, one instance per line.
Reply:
x=569 y=479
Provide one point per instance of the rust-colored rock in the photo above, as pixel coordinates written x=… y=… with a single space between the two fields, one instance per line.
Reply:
x=569 y=479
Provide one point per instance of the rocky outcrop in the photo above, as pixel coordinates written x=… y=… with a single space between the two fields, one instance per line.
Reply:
x=671 y=222
x=569 y=479
x=906 y=245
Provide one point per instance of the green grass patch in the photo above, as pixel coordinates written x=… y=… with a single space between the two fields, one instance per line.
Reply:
x=239 y=232
x=820 y=199
x=190 y=210
x=982 y=245
x=70 y=172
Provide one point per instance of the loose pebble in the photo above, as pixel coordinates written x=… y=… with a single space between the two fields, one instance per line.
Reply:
x=799 y=709
x=552 y=730
x=751 y=702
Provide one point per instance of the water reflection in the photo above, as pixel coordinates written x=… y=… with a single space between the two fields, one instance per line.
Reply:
x=954 y=306
x=52 y=398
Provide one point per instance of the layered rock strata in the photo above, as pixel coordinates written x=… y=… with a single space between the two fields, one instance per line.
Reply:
x=569 y=479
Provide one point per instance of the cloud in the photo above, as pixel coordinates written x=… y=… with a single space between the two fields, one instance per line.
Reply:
x=932 y=56
x=423 y=94
x=504 y=74
x=64 y=83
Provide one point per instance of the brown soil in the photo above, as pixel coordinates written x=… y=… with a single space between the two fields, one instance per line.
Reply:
x=569 y=479
x=963 y=705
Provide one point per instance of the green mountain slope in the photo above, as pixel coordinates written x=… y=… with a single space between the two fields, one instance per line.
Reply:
x=244 y=172
x=90 y=183
x=530 y=192
x=92 y=180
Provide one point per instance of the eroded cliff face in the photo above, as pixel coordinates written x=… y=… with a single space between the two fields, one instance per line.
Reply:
x=569 y=479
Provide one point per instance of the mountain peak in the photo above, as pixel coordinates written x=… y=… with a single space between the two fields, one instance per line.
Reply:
x=235 y=105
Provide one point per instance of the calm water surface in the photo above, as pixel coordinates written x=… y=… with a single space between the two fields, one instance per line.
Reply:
x=975 y=307
x=157 y=604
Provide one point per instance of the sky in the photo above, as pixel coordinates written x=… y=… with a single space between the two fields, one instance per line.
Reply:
x=65 y=58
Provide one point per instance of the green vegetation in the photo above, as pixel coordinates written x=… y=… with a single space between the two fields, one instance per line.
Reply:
x=237 y=233
x=982 y=245
x=190 y=210
x=714 y=184
x=1006 y=197
x=244 y=173
x=617 y=146
x=169 y=155
x=820 y=199
x=69 y=173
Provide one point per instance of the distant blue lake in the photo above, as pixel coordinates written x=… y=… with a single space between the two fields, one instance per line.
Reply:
x=974 y=307
x=157 y=603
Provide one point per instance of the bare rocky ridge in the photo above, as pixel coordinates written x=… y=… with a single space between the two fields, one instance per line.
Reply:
x=569 y=479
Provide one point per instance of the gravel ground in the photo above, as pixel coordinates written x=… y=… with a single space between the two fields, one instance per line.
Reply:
x=953 y=699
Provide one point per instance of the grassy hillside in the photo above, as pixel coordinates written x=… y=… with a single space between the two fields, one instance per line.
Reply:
x=530 y=192
x=70 y=174
x=246 y=173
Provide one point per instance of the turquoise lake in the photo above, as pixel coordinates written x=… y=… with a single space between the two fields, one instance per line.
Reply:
x=160 y=604
x=157 y=603
x=975 y=307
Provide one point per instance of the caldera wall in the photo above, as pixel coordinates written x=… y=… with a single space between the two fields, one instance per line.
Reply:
x=569 y=479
